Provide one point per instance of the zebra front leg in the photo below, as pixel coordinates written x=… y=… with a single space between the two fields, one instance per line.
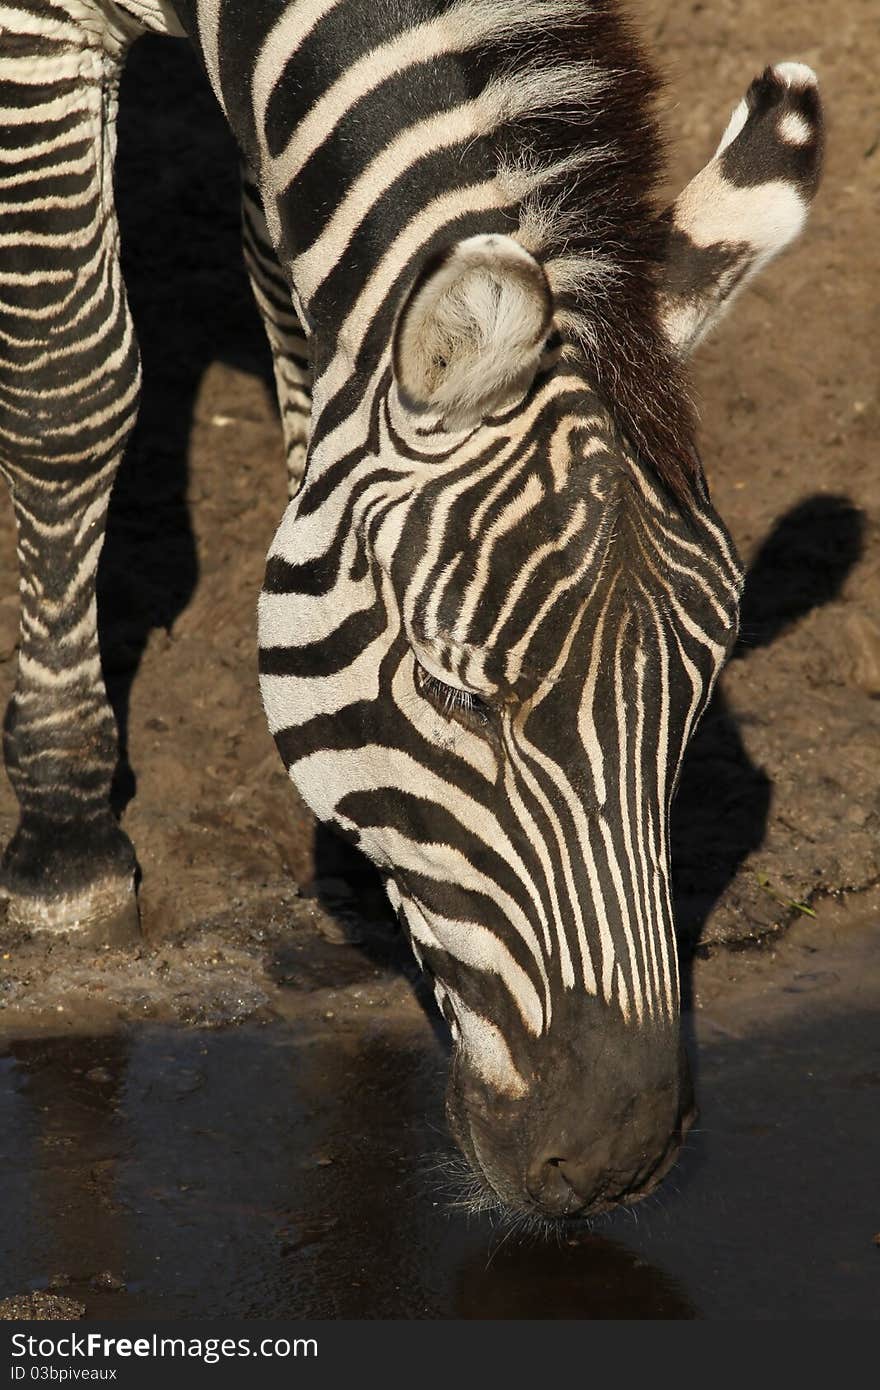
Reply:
x=748 y=203
x=69 y=381
x=290 y=352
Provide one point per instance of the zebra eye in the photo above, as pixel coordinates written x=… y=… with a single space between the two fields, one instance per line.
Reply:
x=451 y=700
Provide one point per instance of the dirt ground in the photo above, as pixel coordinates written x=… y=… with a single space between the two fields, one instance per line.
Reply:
x=779 y=806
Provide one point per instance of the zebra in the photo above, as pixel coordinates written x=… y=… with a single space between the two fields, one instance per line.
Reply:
x=497 y=603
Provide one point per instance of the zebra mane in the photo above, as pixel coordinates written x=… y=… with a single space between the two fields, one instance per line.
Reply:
x=579 y=154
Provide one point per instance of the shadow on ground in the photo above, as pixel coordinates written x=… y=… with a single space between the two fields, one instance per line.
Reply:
x=178 y=204
x=723 y=800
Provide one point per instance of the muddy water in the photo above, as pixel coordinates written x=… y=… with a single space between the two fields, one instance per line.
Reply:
x=286 y=1171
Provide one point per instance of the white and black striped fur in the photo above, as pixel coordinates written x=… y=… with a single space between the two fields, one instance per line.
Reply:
x=496 y=606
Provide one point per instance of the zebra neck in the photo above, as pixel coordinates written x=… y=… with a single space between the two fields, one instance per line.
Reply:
x=381 y=131
x=369 y=135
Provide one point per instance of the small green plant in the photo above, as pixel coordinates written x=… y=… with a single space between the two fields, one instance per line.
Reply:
x=792 y=904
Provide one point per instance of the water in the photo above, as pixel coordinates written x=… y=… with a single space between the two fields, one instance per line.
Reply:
x=285 y=1171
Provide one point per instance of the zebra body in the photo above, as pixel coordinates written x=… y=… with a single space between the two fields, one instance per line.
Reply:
x=497 y=603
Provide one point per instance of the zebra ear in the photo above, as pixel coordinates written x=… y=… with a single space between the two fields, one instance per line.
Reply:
x=748 y=203
x=470 y=336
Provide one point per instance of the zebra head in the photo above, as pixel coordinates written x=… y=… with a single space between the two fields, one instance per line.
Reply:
x=488 y=629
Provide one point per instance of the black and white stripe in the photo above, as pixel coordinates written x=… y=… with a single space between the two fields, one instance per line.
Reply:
x=496 y=606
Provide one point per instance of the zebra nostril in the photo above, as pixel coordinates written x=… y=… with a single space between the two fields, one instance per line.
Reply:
x=548 y=1185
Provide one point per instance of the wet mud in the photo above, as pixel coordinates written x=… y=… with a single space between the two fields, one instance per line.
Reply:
x=299 y=1168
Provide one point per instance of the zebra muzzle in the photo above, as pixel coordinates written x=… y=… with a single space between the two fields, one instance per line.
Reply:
x=601 y=1123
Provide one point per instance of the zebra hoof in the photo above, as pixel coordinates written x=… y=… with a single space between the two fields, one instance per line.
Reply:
x=71 y=879
x=106 y=914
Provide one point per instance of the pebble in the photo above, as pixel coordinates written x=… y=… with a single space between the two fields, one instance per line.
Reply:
x=863 y=643
x=332 y=931
x=99 y=1075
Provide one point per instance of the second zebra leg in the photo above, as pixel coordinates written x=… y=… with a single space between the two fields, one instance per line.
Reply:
x=69 y=381
x=290 y=352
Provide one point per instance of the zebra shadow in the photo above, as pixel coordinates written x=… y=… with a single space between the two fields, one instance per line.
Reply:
x=177 y=198
x=590 y=1277
x=722 y=806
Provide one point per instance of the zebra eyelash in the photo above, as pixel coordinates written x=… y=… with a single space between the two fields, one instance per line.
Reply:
x=451 y=700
